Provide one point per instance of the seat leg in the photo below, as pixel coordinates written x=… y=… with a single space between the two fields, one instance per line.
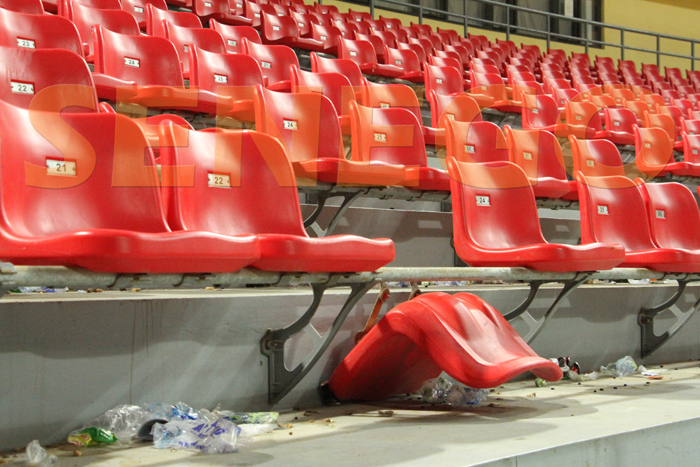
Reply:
x=348 y=199
x=280 y=379
x=522 y=308
x=650 y=341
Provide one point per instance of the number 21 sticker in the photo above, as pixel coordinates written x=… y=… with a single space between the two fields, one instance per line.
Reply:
x=64 y=168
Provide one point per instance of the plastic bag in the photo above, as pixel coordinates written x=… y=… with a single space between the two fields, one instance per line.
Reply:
x=36 y=455
x=123 y=421
x=219 y=437
x=621 y=368
x=240 y=418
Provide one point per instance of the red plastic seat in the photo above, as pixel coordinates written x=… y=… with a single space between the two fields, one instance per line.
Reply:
x=184 y=38
x=448 y=81
x=460 y=108
x=691 y=127
x=31 y=7
x=65 y=7
x=347 y=68
x=654 y=155
x=496 y=223
x=104 y=218
x=540 y=112
x=477 y=347
x=274 y=61
x=476 y=142
x=407 y=60
x=336 y=87
x=655 y=120
x=328 y=35
x=86 y=18
x=596 y=158
x=306 y=124
x=155 y=17
x=363 y=53
x=219 y=10
x=233 y=35
x=283 y=30
x=38 y=32
x=138 y=9
x=539 y=154
x=394 y=136
x=638 y=107
x=398 y=95
x=257 y=164
x=491 y=85
x=231 y=75
x=618 y=125
x=391 y=23
x=613 y=211
x=691 y=148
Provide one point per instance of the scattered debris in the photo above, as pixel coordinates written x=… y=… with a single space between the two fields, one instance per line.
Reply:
x=77 y=453
x=136 y=289
x=539 y=382
x=385 y=413
x=493 y=404
x=534 y=394
x=621 y=368
x=310 y=412
x=442 y=391
x=36 y=455
x=655 y=377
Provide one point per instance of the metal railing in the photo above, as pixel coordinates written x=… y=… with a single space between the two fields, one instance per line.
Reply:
x=550 y=36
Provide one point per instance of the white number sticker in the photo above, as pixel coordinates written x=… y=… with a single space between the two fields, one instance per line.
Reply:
x=138 y=9
x=388 y=26
x=590 y=163
x=602 y=210
x=579 y=117
x=266 y=64
x=695 y=151
x=616 y=123
x=384 y=105
x=380 y=137
x=239 y=5
x=647 y=145
x=219 y=181
x=301 y=25
x=483 y=200
x=535 y=111
x=469 y=148
x=22 y=88
x=275 y=28
x=398 y=62
x=323 y=38
x=220 y=78
x=207 y=4
x=257 y=15
x=451 y=116
x=187 y=49
x=289 y=125
x=483 y=88
x=232 y=43
x=26 y=43
x=527 y=156
x=132 y=62
x=438 y=80
x=353 y=53
x=65 y=168
x=660 y=214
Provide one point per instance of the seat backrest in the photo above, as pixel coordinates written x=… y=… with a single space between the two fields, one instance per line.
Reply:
x=539 y=111
x=334 y=86
x=137 y=9
x=274 y=60
x=638 y=107
x=360 y=52
x=391 y=23
x=388 y=37
x=184 y=38
x=488 y=84
x=653 y=150
x=86 y=18
x=583 y=113
x=155 y=17
x=673 y=215
x=233 y=35
x=613 y=212
x=493 y=207
x=38 y=32
x=385 y=96
x=252 y=163
x=475 y=141
x=65 y=7
x=143 y=59
x=417 y=48
x=460 y=108
x=691 y=148
x=327 y=34
x=393 y=136
x=204 y=8
x=620 y=94
x=662 y=121
x=306 y=123
x=443 y=80
x=596 y=157
x=347 y=68
x=376 y=42
x=274 y=28
x=234 y=75
x=402 y=58
x=537 y=152
x=31 y=7
x=254 y=12
x=653 y=99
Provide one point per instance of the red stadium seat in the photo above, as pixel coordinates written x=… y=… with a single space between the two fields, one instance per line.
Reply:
x=407 y=60
x=654 y=155
x=218 y=10
x=329 y=35
x=65 y=7
x=618 y=125
x=542 y=113
x=307 y=126
x=283 y=30
x=460 y=108
x=347 y=68
x=274 y=61
x=394 y=136
x=253 y=164
x=613 y=211
x=673 y=216
x=477 y=347
x=652 y=120
x=491 y=85
x=138 y=9
x=233 y=35
x=539 y=154
x=476 y=142
x=691 y=148
x=496 y=223
x=336 y=87
x=155 y=17
x=363 y=53
x=86 y=18
x=102 y=218
x=184 y=38
x=31 y=7
x=38 y=32
x=596 y=158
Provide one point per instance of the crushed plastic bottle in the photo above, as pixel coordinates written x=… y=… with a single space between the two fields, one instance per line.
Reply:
x=240 y=418
x=442 y=391
x=123 y=421
x=91 y=436
x=179 y=411
x=36 y=455
x=621 y=368
x=219 y=437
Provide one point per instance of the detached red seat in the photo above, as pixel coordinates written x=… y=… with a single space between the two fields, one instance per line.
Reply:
x=260 y=198
x=38 y=32
x=496 y=223
x=307 y=126
x=459 y=334
x=613 y=210
x=106 y=217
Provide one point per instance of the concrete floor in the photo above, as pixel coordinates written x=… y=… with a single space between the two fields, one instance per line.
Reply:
x=610 y=422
